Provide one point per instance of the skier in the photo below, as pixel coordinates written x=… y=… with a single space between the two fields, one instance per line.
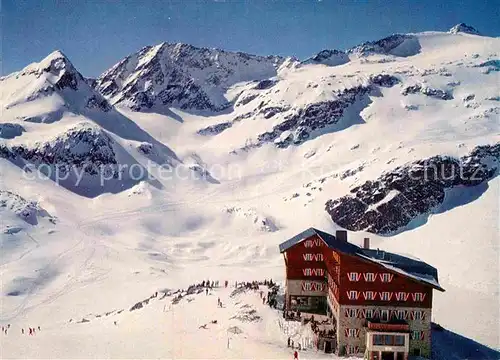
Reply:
x=38 y=328
x=296 y=355
x=206 y=291
x=218 y=302
x=22 y=331
x=31 y=331
x=288 y=342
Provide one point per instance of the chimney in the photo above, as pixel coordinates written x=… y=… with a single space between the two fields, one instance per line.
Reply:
x=366 y=243
x=341 y=235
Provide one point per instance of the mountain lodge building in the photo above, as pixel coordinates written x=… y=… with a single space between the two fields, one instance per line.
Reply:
x=379 y=303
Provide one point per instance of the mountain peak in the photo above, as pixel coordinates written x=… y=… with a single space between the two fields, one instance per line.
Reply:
x=182 y=75
x=463 y=28
x=330 y=57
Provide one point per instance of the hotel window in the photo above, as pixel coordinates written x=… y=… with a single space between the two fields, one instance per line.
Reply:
x=369 y=277
x=351 y=349
x=369 y=295
x=354 y=276
x=370 y=314
x=378 y=339
x=388 y=340
x=418 y=315
x=386 y=277
x=399 y=340
x=418 y=296
x=399 y=314
x=417 y=335
x=385 y=295
x=384 y=315
x=353 y=295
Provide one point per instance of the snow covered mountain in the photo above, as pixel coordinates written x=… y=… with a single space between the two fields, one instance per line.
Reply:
x=182 y=76
x=180 y=164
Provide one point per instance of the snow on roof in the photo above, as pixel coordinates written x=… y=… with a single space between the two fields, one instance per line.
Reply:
x=410 y=267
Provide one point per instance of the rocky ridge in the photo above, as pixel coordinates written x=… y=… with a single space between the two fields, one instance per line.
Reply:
x=181 y=75
x=389 y=203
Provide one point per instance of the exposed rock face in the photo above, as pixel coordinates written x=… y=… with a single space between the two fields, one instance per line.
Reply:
x=28 y=211
x=87 y=148
x=312 y=117
x=300 y=122
x=391 y=202
x=98 y=102
x=463 y=28
x=384 y=80
x=265 y=84
x=435 y=93
x=328 y=57
x=183 y=76
x=215 y=129
x=10 y=131
x=396 y=44
x=490 y=66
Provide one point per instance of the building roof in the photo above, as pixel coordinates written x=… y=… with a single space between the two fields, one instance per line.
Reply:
x=412 y=268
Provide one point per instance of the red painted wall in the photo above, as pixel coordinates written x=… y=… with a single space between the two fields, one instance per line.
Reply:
x=312 y=259
x=399 y=286
x=305 y=260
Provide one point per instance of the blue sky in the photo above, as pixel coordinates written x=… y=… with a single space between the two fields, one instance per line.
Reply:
x=95 y=34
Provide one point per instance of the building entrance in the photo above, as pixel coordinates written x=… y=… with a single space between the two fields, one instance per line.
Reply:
x=387 y=355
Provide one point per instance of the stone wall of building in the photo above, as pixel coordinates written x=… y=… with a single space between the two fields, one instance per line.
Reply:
x=356 y=318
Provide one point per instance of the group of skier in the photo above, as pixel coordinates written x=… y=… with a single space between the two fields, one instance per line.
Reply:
x=31 y=330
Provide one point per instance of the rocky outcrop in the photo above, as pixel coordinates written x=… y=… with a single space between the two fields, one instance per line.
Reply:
x=214 y=129
x=391 y=202
x=463 y=28
x=384 y=80
x=328 y=57
x=397 y=44
x=183 y=76
x=29 y=211
x=10 y=131
x=297 y=127
x=490 y=66
x=427 y=91
x=85 y=148
x=265 y=84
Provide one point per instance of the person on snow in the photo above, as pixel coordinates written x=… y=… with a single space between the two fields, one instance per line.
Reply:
x=296 y=355
x=39 y=328
x=31 y=331
x=289 y=341
x=22 y=331
x=206 y=291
